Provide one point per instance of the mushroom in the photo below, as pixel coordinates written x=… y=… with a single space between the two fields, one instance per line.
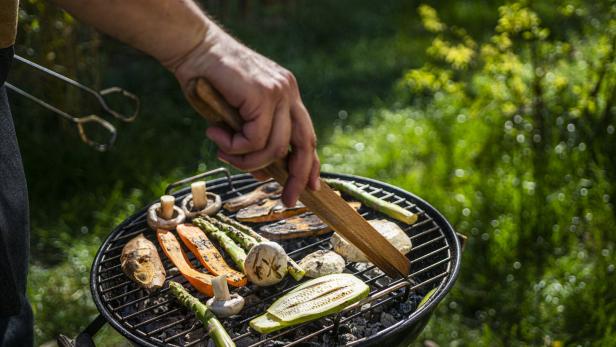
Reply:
x=224 y=304
x=200 y=202
x=164 y=214
x=266 y=264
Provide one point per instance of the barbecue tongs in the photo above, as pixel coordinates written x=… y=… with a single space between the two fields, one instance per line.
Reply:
x=325 y=203
x=81 y=122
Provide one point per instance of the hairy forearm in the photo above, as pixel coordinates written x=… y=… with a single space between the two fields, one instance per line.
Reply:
x=164 y=29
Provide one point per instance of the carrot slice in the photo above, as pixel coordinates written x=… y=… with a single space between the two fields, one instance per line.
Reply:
x=170 y=245
x=198 y=243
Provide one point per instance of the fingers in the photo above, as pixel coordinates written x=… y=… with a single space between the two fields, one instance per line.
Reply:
x=314 y=181
x=302 y=159
x=277 y=146
x=252 y=138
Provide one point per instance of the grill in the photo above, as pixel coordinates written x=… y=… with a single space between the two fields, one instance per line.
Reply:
x=390 y=314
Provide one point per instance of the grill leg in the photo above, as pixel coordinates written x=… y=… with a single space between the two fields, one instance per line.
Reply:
x=85 y=338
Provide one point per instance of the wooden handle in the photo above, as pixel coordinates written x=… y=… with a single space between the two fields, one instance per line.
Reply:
x=325 y=203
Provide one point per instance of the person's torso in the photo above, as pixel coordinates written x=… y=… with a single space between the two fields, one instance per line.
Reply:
x=8 y=22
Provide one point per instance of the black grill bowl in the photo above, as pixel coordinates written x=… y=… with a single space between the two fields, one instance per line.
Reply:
x=157 y=320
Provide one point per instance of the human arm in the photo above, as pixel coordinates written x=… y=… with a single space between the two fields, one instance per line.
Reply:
x=189 y=44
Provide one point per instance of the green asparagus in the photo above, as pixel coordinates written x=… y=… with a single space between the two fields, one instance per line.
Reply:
x=293 y=268
x=212 y=325
x=243 y=239
x=380 y=205
x=238 y=255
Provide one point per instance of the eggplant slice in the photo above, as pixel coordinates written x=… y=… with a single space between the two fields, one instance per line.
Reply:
x=270 y=190
x=269 y=210
x=304 y=225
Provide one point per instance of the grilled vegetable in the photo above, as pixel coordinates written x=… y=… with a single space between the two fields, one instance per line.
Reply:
x=141 y=263
x=224 y=304
x=292 y=267
x=208 y=255
x=212 y=325
x=380 y=205
x=269 y=211
x=236 y=252
x=170 y=245
x=266 y=264
x=321 y=263
x=164 y=214
x=304 y=225
x=271 y=189
x=313 y=299
x=242 y=238
x=200 y=202
x=390 y=230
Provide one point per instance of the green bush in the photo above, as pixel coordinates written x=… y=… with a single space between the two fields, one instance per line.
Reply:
x=512 y=138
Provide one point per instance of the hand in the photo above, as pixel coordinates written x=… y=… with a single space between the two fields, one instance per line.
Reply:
x=268 y=99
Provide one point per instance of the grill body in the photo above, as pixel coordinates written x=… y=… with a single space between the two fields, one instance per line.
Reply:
x=157 y=320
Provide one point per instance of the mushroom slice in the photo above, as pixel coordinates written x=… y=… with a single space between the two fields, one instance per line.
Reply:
x=321 y=263
x=266 y=264
x=224 y=304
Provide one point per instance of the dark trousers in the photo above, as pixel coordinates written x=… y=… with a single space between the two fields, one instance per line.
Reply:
x=16 y=322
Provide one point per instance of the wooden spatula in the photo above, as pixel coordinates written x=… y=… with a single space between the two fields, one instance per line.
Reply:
x=325 y=203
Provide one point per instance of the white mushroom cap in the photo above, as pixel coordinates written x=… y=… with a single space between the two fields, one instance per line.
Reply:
x=165 y=208
x=224 y=304
x=266 y=264
x=213 y=206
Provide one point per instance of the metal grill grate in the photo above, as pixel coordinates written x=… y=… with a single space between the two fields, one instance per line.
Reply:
x=157 y=319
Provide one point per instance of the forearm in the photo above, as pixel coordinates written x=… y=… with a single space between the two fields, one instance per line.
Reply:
x=164 y=29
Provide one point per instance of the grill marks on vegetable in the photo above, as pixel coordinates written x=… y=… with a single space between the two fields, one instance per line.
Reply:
x=158 y=320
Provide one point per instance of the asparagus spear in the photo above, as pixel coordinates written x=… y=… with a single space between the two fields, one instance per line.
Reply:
x=243 y=239
x=293 y=268
x=380 y=205
x=212 y=325
x=238 y=255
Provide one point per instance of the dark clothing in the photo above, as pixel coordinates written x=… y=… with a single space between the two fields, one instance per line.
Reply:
x=15 y=313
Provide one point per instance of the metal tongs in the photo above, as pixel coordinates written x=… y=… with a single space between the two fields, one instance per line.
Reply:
x=80 y=122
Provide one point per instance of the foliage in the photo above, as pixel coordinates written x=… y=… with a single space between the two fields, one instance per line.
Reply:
x=512 y=139
x=510 y=133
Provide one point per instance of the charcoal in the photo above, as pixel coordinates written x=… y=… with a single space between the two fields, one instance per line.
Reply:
x=387 y=319
x=346 y=338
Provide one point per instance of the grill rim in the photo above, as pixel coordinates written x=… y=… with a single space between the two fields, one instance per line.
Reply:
x=421 y=314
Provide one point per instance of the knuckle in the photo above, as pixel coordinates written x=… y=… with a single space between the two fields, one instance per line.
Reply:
x=290 y=79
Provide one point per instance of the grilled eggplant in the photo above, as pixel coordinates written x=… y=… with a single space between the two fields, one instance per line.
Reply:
x=304 y=225
x=311 y=300
x=269 y=210
x=141 y=263
x=265 y=191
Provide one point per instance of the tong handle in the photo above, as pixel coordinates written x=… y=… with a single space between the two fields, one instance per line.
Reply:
x=136 y=102
x=325 y=203
x=101 y=147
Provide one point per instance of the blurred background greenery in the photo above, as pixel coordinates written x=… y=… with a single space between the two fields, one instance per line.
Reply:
x=502 y=115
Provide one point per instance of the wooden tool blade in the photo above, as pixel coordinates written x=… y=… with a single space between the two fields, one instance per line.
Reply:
x=325 y=203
